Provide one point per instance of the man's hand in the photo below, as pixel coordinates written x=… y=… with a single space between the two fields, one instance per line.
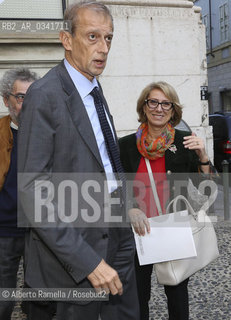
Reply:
x=103 y=277
x=139 y=221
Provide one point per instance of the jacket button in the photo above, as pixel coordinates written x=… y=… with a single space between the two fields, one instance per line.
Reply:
x=105 y=236
x=169 y=172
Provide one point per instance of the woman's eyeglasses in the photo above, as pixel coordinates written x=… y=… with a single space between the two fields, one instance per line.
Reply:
x=153 y=104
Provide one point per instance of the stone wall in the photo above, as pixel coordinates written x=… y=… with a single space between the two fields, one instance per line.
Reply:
x=157 y=40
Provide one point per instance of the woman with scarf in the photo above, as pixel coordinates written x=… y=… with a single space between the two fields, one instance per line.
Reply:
x=169 y=151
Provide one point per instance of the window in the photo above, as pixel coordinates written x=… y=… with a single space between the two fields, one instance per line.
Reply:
x=31 y=9
x=224 y=23
x=31 y=19
x=226 y=100
x=205 y=21
x=225 y=53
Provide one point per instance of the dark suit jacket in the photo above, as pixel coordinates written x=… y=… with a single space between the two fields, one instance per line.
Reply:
x=56 y=136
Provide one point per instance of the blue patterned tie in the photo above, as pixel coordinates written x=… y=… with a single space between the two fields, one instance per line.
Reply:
x=112 y=148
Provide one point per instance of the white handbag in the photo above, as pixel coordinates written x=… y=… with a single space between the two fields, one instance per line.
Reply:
x=175 y=271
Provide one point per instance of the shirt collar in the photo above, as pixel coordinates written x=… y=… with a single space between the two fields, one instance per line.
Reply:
x=82 y=84
x=13 y=125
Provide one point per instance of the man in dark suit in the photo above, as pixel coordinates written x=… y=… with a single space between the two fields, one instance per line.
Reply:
x=61 y=131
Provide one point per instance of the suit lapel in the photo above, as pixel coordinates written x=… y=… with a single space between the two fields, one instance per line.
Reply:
x=78 y=112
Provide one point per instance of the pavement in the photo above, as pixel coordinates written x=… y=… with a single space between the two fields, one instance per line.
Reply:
x=209 y=289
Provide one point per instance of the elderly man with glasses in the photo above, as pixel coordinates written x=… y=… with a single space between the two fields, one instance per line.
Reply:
x=13 y=87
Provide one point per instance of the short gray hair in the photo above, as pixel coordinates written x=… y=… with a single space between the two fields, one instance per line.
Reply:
x=10 y=76
x=71 y=16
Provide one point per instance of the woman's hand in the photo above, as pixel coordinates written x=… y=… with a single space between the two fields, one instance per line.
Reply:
x=196 y=143
x=139 y=221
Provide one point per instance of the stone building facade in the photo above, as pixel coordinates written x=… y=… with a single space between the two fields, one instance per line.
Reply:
x=153 y=40
x=216 y=16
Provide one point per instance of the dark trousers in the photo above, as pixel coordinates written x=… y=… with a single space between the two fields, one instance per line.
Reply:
x=40 y=310
x=126 y=307
x=177 y=296
x=11 y=251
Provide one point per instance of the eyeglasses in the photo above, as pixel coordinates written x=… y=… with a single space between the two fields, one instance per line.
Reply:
x=19 y=97
x=153 y=104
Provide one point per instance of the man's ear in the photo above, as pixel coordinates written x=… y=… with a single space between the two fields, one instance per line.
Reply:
x=6 y=102
x=66 y=39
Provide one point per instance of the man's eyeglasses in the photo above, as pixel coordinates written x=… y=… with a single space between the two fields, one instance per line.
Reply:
x=153 y=104
x=19 y=97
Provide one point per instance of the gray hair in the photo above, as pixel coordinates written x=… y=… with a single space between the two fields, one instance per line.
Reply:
x=71 y=16
x=10 y=76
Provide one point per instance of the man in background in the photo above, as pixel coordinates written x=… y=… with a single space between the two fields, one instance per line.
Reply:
x=13 y=87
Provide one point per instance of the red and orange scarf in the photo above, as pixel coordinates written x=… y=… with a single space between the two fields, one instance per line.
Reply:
x=154 y=149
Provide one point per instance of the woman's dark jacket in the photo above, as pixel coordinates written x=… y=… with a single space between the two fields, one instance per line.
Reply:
x=183 y=161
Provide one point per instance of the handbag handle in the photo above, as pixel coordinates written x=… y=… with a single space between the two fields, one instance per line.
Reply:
x=153 y=185
x=174 y=203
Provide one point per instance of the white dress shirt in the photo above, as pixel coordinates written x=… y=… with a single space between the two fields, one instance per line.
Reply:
x=84 y=87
